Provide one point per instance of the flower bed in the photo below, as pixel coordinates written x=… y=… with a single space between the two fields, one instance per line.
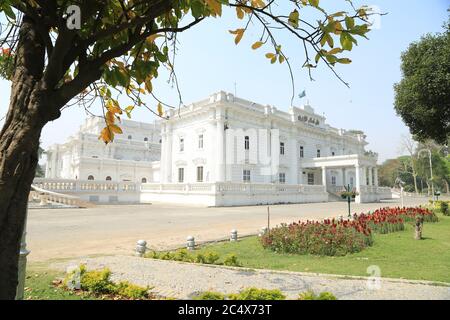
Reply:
x=408 y=214
x=382 y=221
x=329 y=238
x=340 y=237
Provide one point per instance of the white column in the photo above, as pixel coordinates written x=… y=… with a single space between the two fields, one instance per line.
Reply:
x=370 y=176
x=168 y=158
x=220 y=160
x=375 y=182
x=363 y=176
x=358 y=183
x=358 y=178
x=344 y=182
x=294 y=161
x=324 y=176
x=162 y=166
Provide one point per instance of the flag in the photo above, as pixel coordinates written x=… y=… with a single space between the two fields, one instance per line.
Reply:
x=302 y=94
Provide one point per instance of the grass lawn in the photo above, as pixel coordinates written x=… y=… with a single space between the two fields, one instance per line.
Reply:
x=397 y=254
x=38 y=286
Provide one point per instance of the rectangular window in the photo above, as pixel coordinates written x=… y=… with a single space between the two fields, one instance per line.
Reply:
x=247 y=143
x=282 y=177
x=200 y=141
x=282 y=148
x=181 y=144
x=199 y=174
x=246 y=175
x=318 y=153
x=311 y=179
x=302 y=154
x=333 y=180
x=181 y=175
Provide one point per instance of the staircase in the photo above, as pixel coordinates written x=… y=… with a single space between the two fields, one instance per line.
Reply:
x=44 y=199
x=334 y=193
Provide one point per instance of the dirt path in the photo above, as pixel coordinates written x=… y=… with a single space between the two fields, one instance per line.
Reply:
x=182 y=280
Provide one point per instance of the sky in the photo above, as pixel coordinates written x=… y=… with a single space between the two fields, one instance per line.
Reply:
x=208 y=61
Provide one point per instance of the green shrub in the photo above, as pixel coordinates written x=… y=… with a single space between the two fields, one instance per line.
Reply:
x=167 y=256
x=132 y=291
x=152 y=255
x=210 y=295
x=185 y=256
x=442 y=207
x=231 y=260
x=97 y=281
x=310 y=295
x=182 y=255
x=200 y=258
x=211 y=257
x=258 y=294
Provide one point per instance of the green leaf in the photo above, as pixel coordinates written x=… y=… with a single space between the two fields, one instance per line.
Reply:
x=349 y=22
x=314 y=3
x=9 y=11
x=294 y=18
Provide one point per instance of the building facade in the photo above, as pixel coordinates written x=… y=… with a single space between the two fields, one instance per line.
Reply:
x=131 y=157
x=225 y=151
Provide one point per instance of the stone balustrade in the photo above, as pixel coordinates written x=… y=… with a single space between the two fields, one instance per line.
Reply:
x=45 y=197
x=75 y=186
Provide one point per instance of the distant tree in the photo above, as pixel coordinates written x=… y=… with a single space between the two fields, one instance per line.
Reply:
x=440 y=163
x=388 y=172
x=409 y=145
x=422 y=98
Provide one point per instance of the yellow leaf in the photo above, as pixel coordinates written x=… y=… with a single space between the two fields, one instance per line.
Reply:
x=115 y=129
x=215 y=6
x=113 y=106
x=152 y=38
x=239 y=34
x=160 y=109
x=106 y=135
x=270 y=55
x=239 y=13
x=148 y=85
x=257 y=45
x=109 y=117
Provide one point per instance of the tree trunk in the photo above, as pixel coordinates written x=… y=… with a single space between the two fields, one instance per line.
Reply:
x=18 y=160
x=416 y=189
x=19 y=143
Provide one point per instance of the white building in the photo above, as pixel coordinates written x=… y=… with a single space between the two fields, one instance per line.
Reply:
x=129 y=158
x=227 y=151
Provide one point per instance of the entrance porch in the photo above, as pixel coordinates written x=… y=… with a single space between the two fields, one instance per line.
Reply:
x=357 y=171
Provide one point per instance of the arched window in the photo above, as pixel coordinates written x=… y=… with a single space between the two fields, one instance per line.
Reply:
x=247 y=143
x=108 y=178
x=145 y=139
x=90 y=177
x=144 y=180
x=130 y=137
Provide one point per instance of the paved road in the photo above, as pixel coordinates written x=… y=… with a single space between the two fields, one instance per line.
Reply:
x=70 y=233
x=181 y=280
